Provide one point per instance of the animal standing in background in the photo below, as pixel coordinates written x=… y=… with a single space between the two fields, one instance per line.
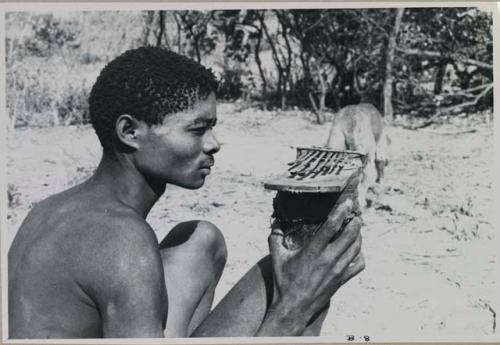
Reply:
x=361 y=128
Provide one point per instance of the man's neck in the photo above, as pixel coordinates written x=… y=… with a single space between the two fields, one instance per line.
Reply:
x=118 y=175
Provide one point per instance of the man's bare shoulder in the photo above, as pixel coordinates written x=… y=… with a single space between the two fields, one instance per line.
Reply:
x=114 y=247
x=96 y=250
x=112 y=234
x=90 y=231
x=120 y=238
x=117 y=233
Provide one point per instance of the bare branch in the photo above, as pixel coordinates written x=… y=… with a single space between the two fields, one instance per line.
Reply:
x=445 y=110
x=161 y=28
x=260 y=16
x=323 y=15
x=377 y=25
x=409 y=51
x=468 y=92
x=473 y=102
x=313 y=103
x=463 y=131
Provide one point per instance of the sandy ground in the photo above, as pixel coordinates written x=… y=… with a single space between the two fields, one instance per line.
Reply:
x=429 y=237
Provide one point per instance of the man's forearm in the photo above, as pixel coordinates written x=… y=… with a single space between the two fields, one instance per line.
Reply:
x=278 y=322
x=244 y=311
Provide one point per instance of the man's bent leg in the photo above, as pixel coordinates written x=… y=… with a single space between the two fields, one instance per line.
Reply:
x=193 y=255
x=242 y=310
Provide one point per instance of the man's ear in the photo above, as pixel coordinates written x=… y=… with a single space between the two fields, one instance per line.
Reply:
x=127 y=129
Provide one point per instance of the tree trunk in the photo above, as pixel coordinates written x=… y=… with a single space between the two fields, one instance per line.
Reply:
x=161 y=27
x=319 y=119
x=55 y=116
x=391 y=47
x=323 y=91
x=197 y=50
x=288 y=60
x=12 y=122
x=441 y=71
x=259 y=62
x=147 y=27
x=305 y=67
x=275 y=56
x=179 y=30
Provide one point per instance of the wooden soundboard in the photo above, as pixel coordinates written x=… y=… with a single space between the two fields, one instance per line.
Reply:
x=318 y=170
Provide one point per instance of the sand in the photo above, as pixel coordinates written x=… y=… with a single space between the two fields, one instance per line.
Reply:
x=429 y=237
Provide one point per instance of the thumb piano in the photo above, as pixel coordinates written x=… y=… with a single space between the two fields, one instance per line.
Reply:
x=318 y=181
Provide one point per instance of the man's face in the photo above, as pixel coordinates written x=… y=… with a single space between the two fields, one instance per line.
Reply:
x=180 y=150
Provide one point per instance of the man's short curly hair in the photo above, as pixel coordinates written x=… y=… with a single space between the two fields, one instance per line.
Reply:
x=146 y=83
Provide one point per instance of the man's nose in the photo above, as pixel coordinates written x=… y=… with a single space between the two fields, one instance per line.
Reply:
x=212 y=145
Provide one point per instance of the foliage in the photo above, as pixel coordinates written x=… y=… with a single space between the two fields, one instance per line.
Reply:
x=12 y=195
x=47 y=93
x=199 y=38
x=315 y=59
x=52 y=62
x=51 y=34
x=454 y=48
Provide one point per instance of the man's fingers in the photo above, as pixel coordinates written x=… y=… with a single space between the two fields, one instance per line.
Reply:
x=275 y=240
x=350 y=265
x=342 y=259
x=346 y=239
x=332 y=225
x=356 y=266
x=276 y=246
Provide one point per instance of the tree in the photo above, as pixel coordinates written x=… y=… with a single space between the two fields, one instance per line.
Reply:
x=281 y=49
x=340 y=54
x=450 y=49
x=391 y=47
x=194 y=24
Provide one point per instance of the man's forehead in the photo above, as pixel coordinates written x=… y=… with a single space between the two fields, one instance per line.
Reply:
x=201 y=112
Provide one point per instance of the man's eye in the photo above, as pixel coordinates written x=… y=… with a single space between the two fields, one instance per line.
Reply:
x=199 y=130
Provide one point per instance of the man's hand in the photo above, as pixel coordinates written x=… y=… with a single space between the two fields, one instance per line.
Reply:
x=305 y=279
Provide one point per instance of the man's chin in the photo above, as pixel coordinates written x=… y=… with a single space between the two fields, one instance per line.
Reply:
x=193 y=184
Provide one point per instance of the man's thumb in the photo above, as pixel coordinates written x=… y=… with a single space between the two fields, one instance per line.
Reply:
x=276 y=245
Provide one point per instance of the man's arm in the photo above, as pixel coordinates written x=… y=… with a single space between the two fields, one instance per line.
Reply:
x=128 y=286
x=282 y=300
x=306 y=279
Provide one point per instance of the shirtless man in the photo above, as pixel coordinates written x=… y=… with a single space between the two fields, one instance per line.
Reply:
x=85 y=264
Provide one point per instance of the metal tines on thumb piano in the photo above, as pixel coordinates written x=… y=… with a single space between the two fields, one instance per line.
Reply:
x=317 y=170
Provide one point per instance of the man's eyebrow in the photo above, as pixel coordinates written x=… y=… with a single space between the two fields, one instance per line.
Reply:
x=203 y=121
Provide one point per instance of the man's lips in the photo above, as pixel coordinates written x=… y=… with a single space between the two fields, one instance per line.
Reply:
x=208 y=164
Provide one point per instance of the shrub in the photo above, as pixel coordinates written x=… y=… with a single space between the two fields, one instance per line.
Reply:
x=73 y=107
x=50 y=34
x=43 y=91
x=12 y=195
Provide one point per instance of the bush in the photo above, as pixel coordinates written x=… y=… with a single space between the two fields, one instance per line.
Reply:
x=49 y=34
x=13 y=195
x=235 y=84
x=43 y=91
x=73 y=107
x=52 y=62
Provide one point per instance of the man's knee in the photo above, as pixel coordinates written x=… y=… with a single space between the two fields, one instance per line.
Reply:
x=200 y=237
x=211 y=241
